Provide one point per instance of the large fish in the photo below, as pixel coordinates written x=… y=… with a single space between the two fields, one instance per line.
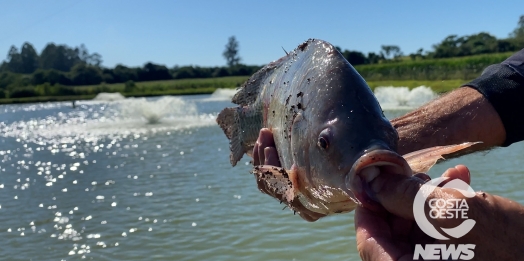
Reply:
x=327 y=126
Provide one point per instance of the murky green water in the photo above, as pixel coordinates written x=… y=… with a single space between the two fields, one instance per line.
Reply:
x=99 y=182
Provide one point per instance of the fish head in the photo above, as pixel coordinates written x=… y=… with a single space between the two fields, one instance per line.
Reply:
x=340 y=132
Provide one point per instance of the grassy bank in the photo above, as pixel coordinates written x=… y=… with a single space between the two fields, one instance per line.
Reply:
x=437 y=86
x=139 y=89
x=464 y=68
x=441 y=75
x=45 y=99
x=160 y=88
x=173 y=87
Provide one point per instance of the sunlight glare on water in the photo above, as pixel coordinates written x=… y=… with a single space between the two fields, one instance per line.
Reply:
x=144 y=179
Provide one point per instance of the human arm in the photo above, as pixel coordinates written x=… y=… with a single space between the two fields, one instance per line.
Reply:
x=487 y=109
x=463 y=115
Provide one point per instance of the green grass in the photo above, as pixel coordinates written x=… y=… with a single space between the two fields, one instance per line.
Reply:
x=181 y=86
x=142 y=89
x=45 y=99
x=442 y=75
x=436 y=86
x=465 y=68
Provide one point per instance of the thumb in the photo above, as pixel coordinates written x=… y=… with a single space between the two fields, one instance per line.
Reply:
x=396 y=193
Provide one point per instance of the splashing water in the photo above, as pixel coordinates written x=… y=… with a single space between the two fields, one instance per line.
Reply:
x=401 y=98
x=94 y=120
x=153 y=111
x=108 y=96
x=222 y=95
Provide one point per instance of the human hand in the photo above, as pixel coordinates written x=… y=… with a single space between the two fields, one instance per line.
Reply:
x=391 y=233
x=265 y=153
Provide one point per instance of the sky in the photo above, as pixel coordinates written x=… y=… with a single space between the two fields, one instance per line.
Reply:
x=195 y=32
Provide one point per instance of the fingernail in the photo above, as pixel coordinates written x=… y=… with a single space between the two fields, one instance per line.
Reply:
x=355 y=185
x=370 y=173
x=267 y=155
x=375 y=187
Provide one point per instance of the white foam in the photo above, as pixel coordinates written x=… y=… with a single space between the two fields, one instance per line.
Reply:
x=401 y=98
x=221 y=95
x=109 y=96
x=117 y=119
x=153 y=111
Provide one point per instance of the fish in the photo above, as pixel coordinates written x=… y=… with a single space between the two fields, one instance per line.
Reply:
x=328 y=128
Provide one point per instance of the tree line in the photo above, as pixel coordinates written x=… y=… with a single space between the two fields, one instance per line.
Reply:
x=451 y=46
x=26 y=70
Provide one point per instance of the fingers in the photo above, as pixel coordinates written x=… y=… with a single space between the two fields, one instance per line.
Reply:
x=458 y=172
x=265 y=139
x=389 y=234
x=256 y=158
x=271 y=157
x=395 y=193
x=375 y=240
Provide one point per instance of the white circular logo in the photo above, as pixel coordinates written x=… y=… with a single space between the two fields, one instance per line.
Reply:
x=443 y=208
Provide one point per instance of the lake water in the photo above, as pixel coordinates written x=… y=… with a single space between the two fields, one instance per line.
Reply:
x=150 y=180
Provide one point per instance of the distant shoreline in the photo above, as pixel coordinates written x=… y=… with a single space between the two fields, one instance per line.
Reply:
x=436 y=86
x=451 y=72
x=42 y=99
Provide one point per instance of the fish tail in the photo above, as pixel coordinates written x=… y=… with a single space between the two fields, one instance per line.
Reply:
x=241 y=126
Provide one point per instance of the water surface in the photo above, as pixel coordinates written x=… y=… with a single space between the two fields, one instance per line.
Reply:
x=150 y=180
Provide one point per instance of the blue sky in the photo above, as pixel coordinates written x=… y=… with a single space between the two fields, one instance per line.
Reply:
x=194 y=32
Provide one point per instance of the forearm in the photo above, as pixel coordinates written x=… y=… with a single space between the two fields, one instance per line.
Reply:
x=463 y=115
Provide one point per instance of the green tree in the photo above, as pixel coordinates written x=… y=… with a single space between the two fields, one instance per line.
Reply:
x=519 y=31
x=355 y=57
x=517 y=36
x=59 y=57
x=231 y=52
x=49 y=76
x=478 y=44
x=505 y=45
x=94 y=59
x=220 y=72
x=375 y=58
x=84 y=74
x=14 y=60
x=154 y=72
x=29 y=58
x=447 y=48
x=391 y=51
x=418 y=54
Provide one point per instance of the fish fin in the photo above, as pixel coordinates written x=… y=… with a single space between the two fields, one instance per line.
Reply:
x=229 y=120
x=277 y=182
x=423 y=160
x=241 y=126
x=285 y=50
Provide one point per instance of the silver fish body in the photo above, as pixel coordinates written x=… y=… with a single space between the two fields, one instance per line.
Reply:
x=326 y=123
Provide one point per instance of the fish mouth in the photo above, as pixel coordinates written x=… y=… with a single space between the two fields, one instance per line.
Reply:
x=370 y=165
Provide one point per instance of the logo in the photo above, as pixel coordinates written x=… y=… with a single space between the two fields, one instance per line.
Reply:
x=443 y=209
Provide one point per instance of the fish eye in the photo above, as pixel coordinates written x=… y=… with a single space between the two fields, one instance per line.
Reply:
x=323 y=139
